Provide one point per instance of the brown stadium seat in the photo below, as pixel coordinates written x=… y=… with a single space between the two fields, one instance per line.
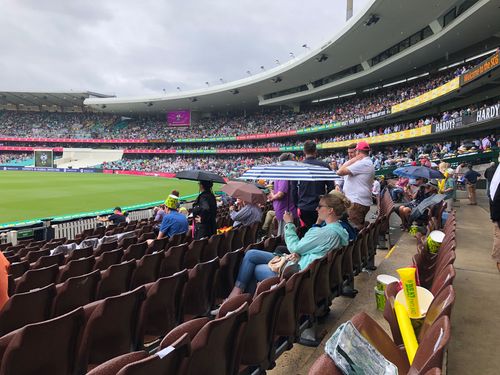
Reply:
x=147 y=269
x=115 y=280
x=171 y=360
x=157 y=245
x=33 y=256
x=199 y=291
x=174 y=260
x=39 y=278
x=17 y=269
x=215 y=345
x=127 y=241
x=110 y=329
x=429 y=355
x=135 y=251
x=106 y=247
x=440 y=306
x=162 y=309
x=48 y=260
x=228 y=270
x=288 y=318
x=47 y=347
x=26 y=308
x=239 y=238
x=258 y=341
x=107 y=259
x=84 y=252
x=75 y=292
x=76 y=267
x=193 y=253
x=210 y=251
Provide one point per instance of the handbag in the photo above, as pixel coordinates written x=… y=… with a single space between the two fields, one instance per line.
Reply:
x=276 y=264
x=279 y=263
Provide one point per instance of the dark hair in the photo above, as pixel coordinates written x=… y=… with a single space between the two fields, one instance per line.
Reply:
x=309 y=147
x=118 y=209
x=175 y=192
x=207 y=185
x=351 y=146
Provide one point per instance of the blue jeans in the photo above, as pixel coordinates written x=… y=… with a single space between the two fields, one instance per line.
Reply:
x=396 y=194
x=254 y=268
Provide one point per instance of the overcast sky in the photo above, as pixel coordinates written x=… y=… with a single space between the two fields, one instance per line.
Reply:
x=127 y=48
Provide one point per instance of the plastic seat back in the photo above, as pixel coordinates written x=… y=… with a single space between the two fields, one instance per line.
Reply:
x=76 y=268
x=199 y=292
x=262 y=316
x=174 y=260
x=84 y=252
x=193 y=253
x=39 y=278
x=115 y=280
x=48 y=347
x=147 y=270
x=135 y=251
x=26 y=308
x=75 y=292
x=162 y=308
x=430 y=350
x=110 y=329
x=107 y=259
x=216 y=345
x=228 y=271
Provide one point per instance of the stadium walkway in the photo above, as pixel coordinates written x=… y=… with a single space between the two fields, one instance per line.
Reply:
x=476 y=315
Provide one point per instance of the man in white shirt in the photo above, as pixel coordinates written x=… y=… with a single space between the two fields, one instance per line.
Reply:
x=359 y=172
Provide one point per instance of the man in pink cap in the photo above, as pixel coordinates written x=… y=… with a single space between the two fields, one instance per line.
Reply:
x=359 y=173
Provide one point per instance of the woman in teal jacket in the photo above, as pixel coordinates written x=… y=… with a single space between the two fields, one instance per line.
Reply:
x=326 y=235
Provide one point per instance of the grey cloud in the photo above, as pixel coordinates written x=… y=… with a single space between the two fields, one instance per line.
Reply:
x=133 y=48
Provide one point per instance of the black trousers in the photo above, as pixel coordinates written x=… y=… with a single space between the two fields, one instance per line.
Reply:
x=308 y=217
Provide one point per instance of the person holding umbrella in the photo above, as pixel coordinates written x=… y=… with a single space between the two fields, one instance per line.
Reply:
x=248 y=213
x=205 y=212
x=205 y=206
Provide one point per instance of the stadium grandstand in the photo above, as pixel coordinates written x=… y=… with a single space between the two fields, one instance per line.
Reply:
x=400 y=108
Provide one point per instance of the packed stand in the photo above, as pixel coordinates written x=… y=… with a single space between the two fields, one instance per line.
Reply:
x=101 y=126
x=9 y=158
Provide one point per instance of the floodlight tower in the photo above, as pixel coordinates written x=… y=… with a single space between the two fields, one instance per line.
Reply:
x=349 y=10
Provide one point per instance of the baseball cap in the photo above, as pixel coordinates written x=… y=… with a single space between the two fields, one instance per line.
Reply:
x=363 y=146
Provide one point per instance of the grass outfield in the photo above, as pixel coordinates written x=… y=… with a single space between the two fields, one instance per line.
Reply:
x=29 y=195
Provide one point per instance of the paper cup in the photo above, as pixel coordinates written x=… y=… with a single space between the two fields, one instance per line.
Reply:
x=425 y=299
x=384 y=280
x=434 y=241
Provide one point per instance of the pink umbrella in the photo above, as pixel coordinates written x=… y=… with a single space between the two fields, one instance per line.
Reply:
x=246 y=192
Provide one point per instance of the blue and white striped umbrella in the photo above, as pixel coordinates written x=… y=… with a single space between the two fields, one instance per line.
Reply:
x=290 y=171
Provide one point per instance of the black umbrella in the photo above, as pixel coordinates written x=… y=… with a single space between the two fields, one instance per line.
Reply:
x=418 y=171
x=199 y=175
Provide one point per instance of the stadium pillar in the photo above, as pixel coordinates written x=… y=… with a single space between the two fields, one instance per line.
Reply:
x=349 y=10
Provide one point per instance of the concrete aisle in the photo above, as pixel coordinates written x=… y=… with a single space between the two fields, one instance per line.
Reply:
x=476 y=316
x=475 y=336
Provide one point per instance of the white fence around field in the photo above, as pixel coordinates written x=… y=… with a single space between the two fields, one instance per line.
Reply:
x=72 y=228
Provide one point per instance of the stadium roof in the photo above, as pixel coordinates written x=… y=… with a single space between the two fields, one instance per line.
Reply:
x=445 y=27
x=43 y=100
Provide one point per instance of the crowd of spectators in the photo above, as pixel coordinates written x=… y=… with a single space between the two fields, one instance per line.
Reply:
x=229 y=166
x=234 y=166
x=7 y=158
x=102 y=126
